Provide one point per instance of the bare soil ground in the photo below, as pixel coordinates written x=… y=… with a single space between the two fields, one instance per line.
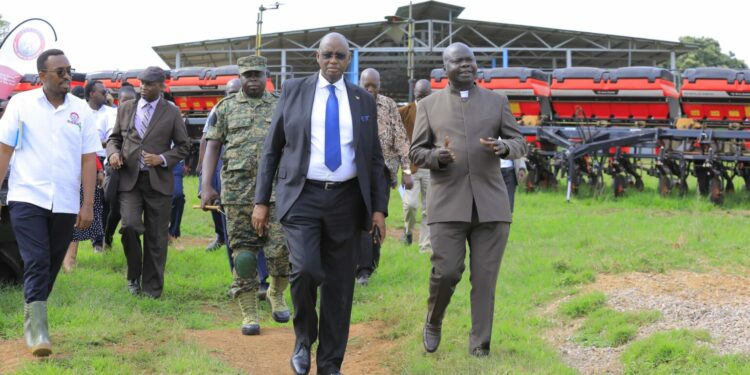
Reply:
x=714 y=301
x=269 y=353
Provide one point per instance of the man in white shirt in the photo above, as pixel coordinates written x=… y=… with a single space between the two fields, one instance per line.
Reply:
x=52 y=138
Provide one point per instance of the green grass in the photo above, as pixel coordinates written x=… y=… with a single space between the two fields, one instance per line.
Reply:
x=680 y=352
x=608 y=328
x=582 y=305
x=555 y=247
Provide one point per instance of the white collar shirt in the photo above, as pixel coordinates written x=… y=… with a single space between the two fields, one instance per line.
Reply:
x=105 y=118
x=317 y=169
x=48 y=143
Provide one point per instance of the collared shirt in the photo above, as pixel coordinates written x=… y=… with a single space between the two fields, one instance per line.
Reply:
x=318 y=170
x=392 y=136
x=48 y=143
x=139 y=114
x=104 y=118
x=139 y=124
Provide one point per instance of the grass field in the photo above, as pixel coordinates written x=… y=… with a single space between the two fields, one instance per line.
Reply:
x=555 y=248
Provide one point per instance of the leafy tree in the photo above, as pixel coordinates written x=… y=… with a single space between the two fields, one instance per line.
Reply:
x=708 y=54
x=3 y=27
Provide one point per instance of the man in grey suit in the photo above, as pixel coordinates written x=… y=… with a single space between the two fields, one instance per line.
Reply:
x=148 y=139
x=461 y=132
x=323 y=152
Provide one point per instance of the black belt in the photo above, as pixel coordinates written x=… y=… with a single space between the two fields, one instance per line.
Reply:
x=330 y=185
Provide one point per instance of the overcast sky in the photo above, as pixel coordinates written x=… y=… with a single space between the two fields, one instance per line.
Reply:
x=107 y=35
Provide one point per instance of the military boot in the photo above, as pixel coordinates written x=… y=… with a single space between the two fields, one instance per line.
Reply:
x=35 y=328
x=280 y=311
x=249 y=305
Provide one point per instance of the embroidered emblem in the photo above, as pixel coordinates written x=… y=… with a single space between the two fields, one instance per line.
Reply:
x=364 y=118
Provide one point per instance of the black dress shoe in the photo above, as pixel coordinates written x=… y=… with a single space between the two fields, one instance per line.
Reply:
x=480 y=352
x=431 y=337
x=301 y=360
x=134 y=287
x=363 y=279
x=216 y=244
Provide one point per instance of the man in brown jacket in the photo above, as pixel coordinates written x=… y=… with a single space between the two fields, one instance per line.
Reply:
x=460 y=134
x=420 y=176
x=148 y=139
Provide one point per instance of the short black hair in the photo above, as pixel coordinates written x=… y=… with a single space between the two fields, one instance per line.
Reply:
x=42 y=59
x=127 y=89
x=77 y=91
x=126 y=84
x=90 y=88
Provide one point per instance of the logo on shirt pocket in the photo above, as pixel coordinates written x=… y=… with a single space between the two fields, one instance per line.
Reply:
x=75 y=119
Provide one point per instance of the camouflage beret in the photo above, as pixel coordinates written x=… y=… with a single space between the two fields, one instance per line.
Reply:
x=251 y=63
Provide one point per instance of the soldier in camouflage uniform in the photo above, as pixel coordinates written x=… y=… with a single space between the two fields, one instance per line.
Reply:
x=242 y=121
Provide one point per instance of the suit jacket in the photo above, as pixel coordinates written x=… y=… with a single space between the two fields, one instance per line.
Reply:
x=287 y=148
x=474 y=176
x=409 y=116
x=165 y=135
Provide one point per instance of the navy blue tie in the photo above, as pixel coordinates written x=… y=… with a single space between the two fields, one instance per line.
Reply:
x=333 y=139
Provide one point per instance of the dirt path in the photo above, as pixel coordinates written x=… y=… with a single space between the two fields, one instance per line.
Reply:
x=269 y=353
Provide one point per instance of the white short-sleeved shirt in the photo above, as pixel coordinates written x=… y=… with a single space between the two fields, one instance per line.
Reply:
x=48 y=142
x=105 y=119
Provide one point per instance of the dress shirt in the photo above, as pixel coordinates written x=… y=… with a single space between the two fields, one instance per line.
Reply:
x=48 y=143
x=318 y=170
x=139 y=116
x=104 y=118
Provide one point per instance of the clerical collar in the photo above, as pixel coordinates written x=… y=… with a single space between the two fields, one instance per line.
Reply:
x=464 y=94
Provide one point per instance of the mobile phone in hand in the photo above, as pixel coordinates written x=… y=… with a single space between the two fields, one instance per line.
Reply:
x=376 y=236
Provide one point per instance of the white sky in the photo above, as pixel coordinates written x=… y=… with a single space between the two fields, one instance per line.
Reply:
x=107 y=35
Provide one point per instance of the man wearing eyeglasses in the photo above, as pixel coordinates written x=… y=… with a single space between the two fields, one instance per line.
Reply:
x=323 y=152
x=148 y=140
x=52 y=137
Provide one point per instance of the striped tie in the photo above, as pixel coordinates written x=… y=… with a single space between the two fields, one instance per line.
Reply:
x=146 y=118
x=144 y=125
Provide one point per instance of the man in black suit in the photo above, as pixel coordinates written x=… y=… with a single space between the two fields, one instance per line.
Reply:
x=323 y=151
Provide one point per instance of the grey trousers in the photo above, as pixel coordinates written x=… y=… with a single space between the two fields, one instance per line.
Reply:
x=487 y=244
x=410 y=204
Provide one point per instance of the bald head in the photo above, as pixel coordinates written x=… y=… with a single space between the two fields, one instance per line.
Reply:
x=370 y=81
x=233 y=86
x=460 y=65
x=422 y=89
x=333 y=56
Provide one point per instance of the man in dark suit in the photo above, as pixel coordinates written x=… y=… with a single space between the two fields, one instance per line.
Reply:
x=323 y=151
x=149 y=139
x=460 y=134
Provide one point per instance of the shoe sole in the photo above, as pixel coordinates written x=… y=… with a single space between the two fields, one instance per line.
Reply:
x=251 y=331
x=280 y=319
x=41 y=350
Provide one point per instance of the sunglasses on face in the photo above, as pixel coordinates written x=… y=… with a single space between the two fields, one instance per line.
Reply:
x=329 y=55
x=61 y=71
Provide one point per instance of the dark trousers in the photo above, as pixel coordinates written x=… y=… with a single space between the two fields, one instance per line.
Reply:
x=369 y=255
x=178 y=202
x=145 y=212
x=111 y=219
x=43 y=238
x=487 y=244
x=509 y=176
x=323 y=230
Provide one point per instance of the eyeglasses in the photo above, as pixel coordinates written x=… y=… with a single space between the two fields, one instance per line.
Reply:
x=61 y=71
x=329 y=55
